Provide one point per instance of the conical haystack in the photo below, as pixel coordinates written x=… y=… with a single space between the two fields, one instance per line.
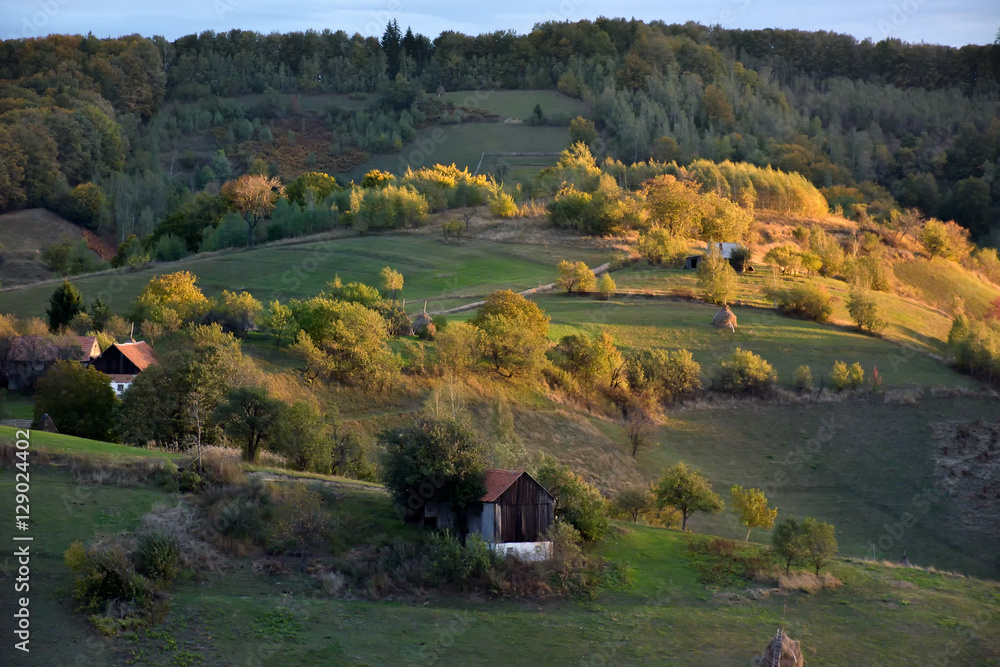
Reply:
x=423 y=326
x=725 y=319
x=791 y=654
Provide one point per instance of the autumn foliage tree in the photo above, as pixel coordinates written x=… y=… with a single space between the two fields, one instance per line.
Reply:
x=751 y=507
x=687 y=492
x=253 y=196
x=514 y=332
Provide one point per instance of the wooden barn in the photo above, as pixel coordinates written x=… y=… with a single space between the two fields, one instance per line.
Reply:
x=513 y=516
x=24 y=359
x=123 y=361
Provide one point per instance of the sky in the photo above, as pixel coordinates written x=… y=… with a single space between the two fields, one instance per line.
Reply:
x=955 y=23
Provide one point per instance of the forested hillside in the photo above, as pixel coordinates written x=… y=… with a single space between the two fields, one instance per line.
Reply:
x=117 y=134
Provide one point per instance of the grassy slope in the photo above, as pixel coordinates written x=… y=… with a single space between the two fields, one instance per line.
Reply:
x=911 y=323
x=939 y=281
x=519 y=103
x=449 y=274
x=68 y=444
x=463 y=145
x=881 y=616
x=22 y=235
x=785 y=342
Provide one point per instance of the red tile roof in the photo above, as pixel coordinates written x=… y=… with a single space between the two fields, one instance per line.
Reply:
x=89 y=346
x=45 y=348
x=140 y=353
x=498 y=481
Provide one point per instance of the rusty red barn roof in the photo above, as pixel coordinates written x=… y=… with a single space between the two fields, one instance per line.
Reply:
x=140 y=353
x=498 y=481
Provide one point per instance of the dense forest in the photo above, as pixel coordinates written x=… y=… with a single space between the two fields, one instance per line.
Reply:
x=95 y=128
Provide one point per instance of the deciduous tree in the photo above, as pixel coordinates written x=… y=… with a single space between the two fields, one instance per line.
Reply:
x=253 y=196
x=751 y=507
x=79 y=400
x=687 y=492
x=515 y=332
x=250 y=417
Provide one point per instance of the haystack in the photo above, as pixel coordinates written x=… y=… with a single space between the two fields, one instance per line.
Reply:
x=46 y=424
x=725 y=319
x=423 y=326
x=791 y=654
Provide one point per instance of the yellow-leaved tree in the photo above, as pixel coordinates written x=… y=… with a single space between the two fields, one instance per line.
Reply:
x=253 y=196
x=751 y=507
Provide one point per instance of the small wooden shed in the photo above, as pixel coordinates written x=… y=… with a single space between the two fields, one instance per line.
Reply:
x=513 y=516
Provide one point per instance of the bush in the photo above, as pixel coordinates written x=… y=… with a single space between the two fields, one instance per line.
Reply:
x=578 y=503
x=864 y=310
x=803 y=378
x=670 y=376
x=157 y=556
x=808 y=301
x=169 y=249
x=502 y=205
x=105 y=575
x=744 y=372
x=455 y=563
x=606 y=286
x=843 y=376
x=716 y=279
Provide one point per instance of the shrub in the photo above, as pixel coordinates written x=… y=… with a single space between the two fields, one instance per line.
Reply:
x=606 y=286
x=105 y=574
x=157 y=556
x=808 y=301
x=456 y=563
x=502 y=205
x=744 y=372
x=169 y=249
x=670 y=376
x=865 y=310
x=843 y=376
x=716 y=279
x=803 y=378
x=578 y=503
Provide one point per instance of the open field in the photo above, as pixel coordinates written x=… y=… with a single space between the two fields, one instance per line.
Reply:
x=463 y=144
x=939 y=281
x=68 y=444
x=519 y=104
x=881 y=615
x=910 y=322
x=23 y=234
x=785 y=342
x=448 y=274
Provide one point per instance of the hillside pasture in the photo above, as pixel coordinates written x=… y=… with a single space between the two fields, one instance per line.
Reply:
x=911 y=322
x=785 y=342
x=882 y=615
x=463 y=144
x=446 y=274
x=23 y=234
x=940 y=281
x=519 y=104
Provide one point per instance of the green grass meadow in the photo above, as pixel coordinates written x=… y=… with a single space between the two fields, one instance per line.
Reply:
x=910 y=322
x=463 y=144
x=882 y=615
x=447 y=274
x=519 y=104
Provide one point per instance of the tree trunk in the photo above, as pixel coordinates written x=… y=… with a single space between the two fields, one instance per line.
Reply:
x=684 y=521
x=748 y=535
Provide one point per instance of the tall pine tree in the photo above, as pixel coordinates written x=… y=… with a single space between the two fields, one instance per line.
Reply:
x=64 y=304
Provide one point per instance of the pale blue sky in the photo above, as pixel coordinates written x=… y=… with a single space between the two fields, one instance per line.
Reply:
x=932 y=21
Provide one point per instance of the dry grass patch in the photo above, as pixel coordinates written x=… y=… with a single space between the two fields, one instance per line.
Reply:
x=807 y=582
